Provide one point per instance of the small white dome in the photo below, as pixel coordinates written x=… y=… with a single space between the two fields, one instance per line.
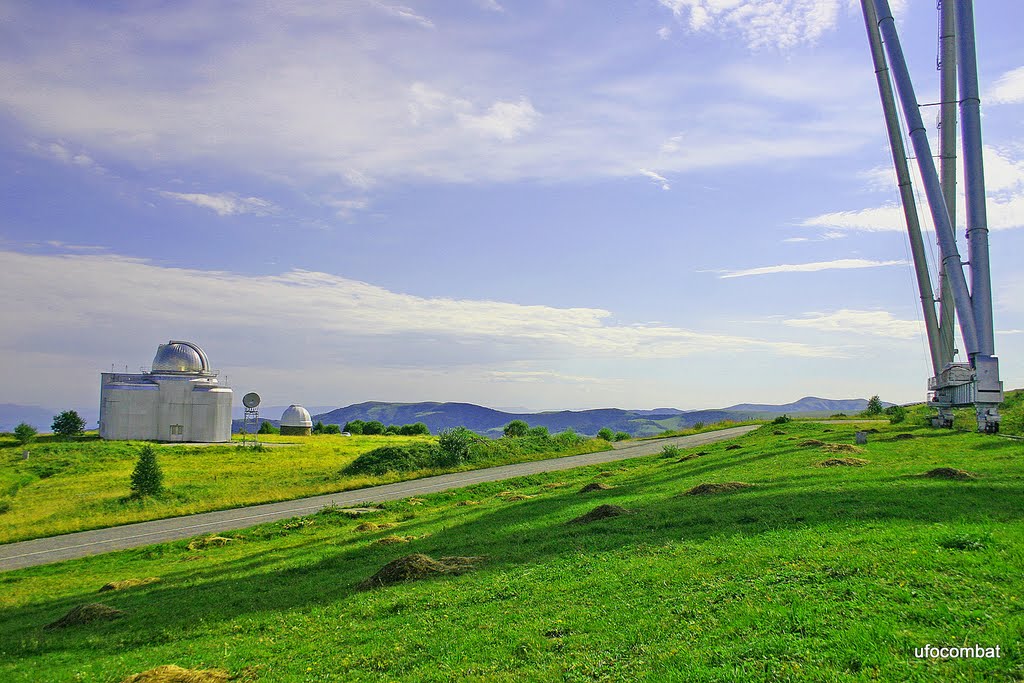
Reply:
x=296 y=416
x=176 y=356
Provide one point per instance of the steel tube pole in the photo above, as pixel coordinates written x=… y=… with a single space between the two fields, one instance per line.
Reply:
x=947 y=165
x=974 y=175
x=930 y=177
x=899 y=160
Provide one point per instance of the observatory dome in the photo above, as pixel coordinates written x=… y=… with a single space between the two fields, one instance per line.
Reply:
x=177 y=356
x=296 y=416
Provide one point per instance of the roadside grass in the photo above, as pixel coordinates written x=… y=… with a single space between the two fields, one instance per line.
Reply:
x=82 y=484
x=814 y=573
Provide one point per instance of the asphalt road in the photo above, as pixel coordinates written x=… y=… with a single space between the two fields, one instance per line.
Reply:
x=84 y=543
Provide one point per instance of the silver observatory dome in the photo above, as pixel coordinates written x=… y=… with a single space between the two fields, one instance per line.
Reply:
x=180 y=357
x=296 y=416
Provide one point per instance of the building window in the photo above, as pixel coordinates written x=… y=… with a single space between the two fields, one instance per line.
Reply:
x=177 y=430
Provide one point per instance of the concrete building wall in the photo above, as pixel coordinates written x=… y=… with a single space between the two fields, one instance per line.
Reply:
x=164 y=408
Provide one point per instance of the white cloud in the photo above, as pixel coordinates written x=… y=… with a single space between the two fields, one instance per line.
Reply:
x=664 y=32
x=303 y=319
x=503 y=120
x=781 y=23
x=1009 y=331
x=346 y=208
x=1009 y=89
x=62 y=153
x=492 y=5
x=661 y=180
x=848 y=321
x=405 y=13
x=839 y=264
x=223 y=204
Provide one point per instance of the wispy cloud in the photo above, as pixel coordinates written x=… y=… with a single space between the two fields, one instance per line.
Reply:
x=839 y=264
x=503 y=120
x=223 y=204
x=782 y=24
x=850 y=321
x=405 y=13
x=661 y=180
x=330 y=314
x=1009 y=89
x=64 y=154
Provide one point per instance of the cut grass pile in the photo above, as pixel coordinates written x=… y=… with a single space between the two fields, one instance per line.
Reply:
x=713 y=488
x=817 y=574
x=86 y=614
x=599 y=513
x=843 y=462
x=949 y=473
x=416 y=567
x=596 y=486
x=171 y=673
x=84 y=484
x=127 y=583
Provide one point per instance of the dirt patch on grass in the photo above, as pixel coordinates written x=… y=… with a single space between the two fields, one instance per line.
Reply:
x=843 y=462
x=595 y=486
x=128 y=583
x=84 y=614
x=209 y=542
x=901 y=437
x=372 y=526
x=600 y=512
x=723 y=487
x=463 y=503
x=840 y=448
x=691 y=456
x=810 y=442
x=515 y=497
x=778 y=433
x=949 y=473
x=418 y=566
x=169 y=673
x=556 y=484
x=733 y=447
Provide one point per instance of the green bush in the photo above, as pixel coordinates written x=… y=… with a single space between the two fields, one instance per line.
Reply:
x=318 y=428
x=353 y=427
x=332 y=429
x=267 y=428
x=385 y=459
x=415 y=429
x=896 y=414
x=671 y=452
x=454 y=445
x=567 y=439
x=874 y=406
x=605 y=433
x=68 y=424
x=838 y=415
x=373 y=427
x=24 y=433
x=622 y=436
x=539 y=431
x=699 y=424
x=392 y=430
x=782 y=419
x=147 y=478
x=516 y=428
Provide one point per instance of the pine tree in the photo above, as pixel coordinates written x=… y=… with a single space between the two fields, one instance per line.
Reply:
x=147 y=478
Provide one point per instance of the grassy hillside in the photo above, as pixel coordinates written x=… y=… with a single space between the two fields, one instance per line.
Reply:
x=84 y=484
x=813 y=573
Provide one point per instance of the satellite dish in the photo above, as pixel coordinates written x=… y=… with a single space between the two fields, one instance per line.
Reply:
x=251 y=400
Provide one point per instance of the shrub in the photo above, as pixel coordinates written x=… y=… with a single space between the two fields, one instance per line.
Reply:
x=782 y=419
x=896 y=414
x=622 y=436
x=374 y=427
x=353 y=427
x=838 y=415
x=699 y=424
x=605 y=433
x=332 y=429
x=415 y=429
x=874 y=406
x=671 y=452
x=392 y=430
x=24 y=433
x=454 y=445
x=147 y=478
x=407 y=458
x=541 y=432
x=516 y=428
x=568 y=438
x=68 y=424
x=318 y=428
x=267 y=428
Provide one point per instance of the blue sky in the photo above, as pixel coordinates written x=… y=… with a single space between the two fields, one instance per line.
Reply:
x=545 y=204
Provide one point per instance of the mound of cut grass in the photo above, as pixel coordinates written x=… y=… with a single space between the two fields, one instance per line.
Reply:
x=713 y=488
x=170 y=673
x=128 y=583
x=373 y=526
x=843 y=462
x=949 y=473
x=600 y=512
x=209 y=542
x=418 y=566
x=595 y=486
x=841 y=448
x=85 y=614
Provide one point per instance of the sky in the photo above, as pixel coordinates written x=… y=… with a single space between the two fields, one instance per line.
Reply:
x=544 y=204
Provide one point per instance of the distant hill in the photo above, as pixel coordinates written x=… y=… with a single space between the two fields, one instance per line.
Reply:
x=809 y=404
x=439 y=416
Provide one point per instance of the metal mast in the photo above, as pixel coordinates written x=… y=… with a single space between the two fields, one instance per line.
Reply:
x=955 y=384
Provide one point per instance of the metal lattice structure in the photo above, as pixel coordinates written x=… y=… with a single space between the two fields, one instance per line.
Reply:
x=975 y=383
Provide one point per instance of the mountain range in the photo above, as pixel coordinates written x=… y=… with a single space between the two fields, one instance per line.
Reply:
x=439 y=416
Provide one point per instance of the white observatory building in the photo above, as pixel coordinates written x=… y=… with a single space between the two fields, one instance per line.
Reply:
x=296 y=421
x=179 y=399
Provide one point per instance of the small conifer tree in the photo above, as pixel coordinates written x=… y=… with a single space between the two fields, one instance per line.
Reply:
x=147 y=478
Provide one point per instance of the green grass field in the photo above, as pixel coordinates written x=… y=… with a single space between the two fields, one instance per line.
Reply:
x=84 y=484
x=815 y=573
